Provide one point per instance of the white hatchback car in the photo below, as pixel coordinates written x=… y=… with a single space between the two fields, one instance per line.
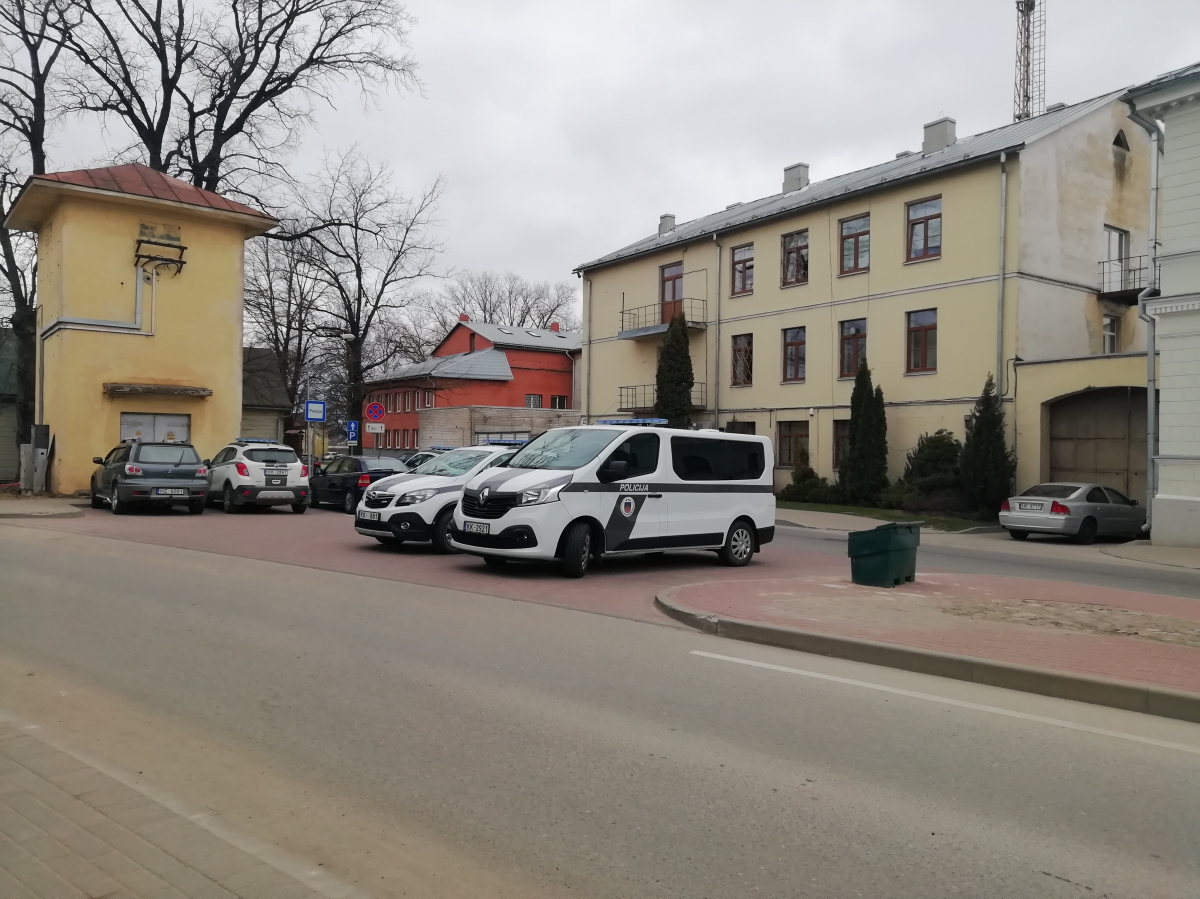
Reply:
x=419 y=505
x=255 y=472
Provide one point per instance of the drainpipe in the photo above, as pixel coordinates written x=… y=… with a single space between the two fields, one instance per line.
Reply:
x=588 y=389
x=999 y=369
x=1151 y=349
x=717 y=374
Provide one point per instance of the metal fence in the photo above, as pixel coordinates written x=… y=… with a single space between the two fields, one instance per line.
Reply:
x=694 y=311
x=1117 y=275
x=642 y=396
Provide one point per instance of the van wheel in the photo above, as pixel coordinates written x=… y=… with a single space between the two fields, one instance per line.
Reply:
x=739 y=545
x=441 y=532
x=1019 y=535
x=577 y=550
x=495 y=561
x=1087 y=532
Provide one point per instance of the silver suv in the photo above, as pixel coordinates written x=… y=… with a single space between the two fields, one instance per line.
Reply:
x=251 y=472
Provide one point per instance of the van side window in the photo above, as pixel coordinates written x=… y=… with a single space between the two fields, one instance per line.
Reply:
x=639 y=453
x=708 y=459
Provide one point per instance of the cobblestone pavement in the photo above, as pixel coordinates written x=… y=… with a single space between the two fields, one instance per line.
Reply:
x=70 y=831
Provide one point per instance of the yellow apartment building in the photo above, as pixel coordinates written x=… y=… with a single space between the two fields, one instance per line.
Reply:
x=1012 y=252
x=139 y=286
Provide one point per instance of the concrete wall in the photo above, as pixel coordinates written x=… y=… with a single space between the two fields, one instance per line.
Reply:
x=86 y=269
x=461 y=425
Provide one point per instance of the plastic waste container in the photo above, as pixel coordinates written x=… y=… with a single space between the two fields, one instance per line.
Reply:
x=885 y=556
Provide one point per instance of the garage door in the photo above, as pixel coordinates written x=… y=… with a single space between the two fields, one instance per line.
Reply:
x=155 y=427
x=1100 y=435
x=261 y=424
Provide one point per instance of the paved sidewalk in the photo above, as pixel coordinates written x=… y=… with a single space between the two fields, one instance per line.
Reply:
x=71 y=831
x=1043 y=634
x=18 y=506
x=1145 y=551
x=832 y=521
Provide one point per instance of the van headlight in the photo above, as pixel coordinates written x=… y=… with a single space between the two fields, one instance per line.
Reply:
x=539 y=495
x=415 y=496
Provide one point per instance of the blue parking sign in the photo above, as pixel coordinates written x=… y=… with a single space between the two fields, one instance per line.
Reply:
x=352 y=433
x=314 y=410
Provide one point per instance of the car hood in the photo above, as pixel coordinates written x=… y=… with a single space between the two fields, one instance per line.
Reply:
x=403 y=483
x=514 y=480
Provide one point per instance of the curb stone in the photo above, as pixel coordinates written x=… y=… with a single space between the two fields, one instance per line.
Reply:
x=1133 y=697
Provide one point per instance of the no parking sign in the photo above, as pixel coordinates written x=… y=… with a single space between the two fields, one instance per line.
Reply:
x=374 y=412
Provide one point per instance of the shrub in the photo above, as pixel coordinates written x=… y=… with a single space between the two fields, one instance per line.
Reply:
x=674 y=378
x=935 y=454
x=863 y=476
x=987 y=465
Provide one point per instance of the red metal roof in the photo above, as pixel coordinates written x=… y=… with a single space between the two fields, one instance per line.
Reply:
x=142 y=181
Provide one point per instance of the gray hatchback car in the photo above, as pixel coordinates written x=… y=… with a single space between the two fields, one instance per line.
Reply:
x=1079 y=511
x=160 y=474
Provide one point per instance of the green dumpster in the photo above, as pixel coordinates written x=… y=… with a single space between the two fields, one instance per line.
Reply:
x=885 y=556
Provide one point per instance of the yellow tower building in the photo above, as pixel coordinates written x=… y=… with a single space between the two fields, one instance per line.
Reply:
x=139 y=284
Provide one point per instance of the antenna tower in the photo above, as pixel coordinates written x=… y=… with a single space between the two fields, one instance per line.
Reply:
x=1029 y=91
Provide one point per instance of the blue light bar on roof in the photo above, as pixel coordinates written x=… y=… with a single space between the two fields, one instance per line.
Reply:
x=632 y=421
x=443 y=449
x=254 y=440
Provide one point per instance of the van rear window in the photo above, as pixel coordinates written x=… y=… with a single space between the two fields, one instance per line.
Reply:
x=714 y=459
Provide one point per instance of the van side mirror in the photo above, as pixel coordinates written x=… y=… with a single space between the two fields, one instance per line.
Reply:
x=612 y=470
x=98 y=460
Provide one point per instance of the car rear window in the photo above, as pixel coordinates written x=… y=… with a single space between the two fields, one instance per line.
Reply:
x=713 y=459
x=278 y=456
x=167 y=455
x=381 y=462
x=1052 y=491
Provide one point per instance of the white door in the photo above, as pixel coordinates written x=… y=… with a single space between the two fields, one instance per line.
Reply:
x=631 y=508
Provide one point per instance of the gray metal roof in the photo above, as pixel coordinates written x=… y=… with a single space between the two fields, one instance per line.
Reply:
x=1192 y=71
x=965 y=151
x=483 y=365
x=526 y=338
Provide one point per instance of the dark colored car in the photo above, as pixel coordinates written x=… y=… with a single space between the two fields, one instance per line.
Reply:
x=343 y=481
x=161 y=474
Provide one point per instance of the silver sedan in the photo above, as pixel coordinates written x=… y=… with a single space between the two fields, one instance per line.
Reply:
x=1080 y=511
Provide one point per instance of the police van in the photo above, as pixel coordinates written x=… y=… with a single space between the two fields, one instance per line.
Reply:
x=418 y=505
x=574 y=494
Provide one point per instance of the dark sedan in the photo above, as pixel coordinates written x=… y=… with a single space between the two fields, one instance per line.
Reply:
x=160 y=474
x=343 y=481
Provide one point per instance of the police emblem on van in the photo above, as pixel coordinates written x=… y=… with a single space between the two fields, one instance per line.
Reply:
x=628 y=506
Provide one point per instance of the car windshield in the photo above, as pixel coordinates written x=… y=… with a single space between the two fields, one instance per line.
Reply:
x=453 y=463
x=1051 y=491
x=167 y=455
x=565 y=448
x=277 y=455
x=386 y=462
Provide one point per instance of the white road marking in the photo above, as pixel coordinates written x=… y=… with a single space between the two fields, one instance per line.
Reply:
x=1024 y=716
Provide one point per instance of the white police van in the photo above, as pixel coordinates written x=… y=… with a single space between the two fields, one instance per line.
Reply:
x=418 y=505
x=573 y=494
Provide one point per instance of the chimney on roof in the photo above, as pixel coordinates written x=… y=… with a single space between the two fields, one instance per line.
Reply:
x=554 y=327
x=795 y=177
x=666 y=223
x=939 y=135
x=1055 y=107
x=463 y=317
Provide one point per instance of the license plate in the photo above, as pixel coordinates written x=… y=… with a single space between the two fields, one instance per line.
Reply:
x=276 y=472
x=476 y=527
x=170 y=491
x=369 y=516
x=1029 y=507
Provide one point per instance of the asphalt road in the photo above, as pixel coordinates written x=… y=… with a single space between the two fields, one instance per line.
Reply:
x=423 y=741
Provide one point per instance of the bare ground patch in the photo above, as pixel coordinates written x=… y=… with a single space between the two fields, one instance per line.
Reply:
x=1082 y=618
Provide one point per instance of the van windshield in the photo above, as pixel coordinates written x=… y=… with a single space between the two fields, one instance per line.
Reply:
x=453 y=463
x=564 y=448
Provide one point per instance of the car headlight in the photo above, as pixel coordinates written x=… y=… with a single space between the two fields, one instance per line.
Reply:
x=539 y=495
x=415 y=496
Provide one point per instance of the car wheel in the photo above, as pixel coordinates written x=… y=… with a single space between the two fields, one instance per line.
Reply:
x=228 y=505
x=349 y=502
x=196 y=507
x=96 y=501
x=495 y=561
x=739 y=545
x=1087 y=532
x=389 y=541
x=116 y=506
x=1019 y=535
x=299 y=508
x=441 y=532
x=577 y=550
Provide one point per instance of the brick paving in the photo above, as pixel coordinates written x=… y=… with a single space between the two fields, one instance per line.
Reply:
x=69 y=831
x=912 y=615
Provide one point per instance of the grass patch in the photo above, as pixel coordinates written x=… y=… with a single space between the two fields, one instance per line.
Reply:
x=936 y=522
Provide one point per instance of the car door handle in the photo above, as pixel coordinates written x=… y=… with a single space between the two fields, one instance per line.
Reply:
x=653 y=496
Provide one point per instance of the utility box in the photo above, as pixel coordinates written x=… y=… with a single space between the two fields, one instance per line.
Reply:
x=885 y=556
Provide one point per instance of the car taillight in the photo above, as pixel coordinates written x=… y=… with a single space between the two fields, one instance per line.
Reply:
x=130 y=468
x=303 y=471
x=243 y=470
x=1004 y=505
x=201 y=471
x=364 y=480
x=1057 y=508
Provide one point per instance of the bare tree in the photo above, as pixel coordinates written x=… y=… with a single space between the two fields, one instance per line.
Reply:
x=216 y=94
x=380 y=246
x=497 y=299
x=30 y=48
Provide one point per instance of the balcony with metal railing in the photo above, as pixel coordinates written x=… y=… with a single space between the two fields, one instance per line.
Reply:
x=641 y=397
x=645 y=321
x=1123 y=279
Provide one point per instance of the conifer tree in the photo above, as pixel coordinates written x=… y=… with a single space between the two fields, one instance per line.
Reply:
x=674 y=378
x=987 y=466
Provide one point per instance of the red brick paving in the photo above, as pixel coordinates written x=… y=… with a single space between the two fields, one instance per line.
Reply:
x=908 y=616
